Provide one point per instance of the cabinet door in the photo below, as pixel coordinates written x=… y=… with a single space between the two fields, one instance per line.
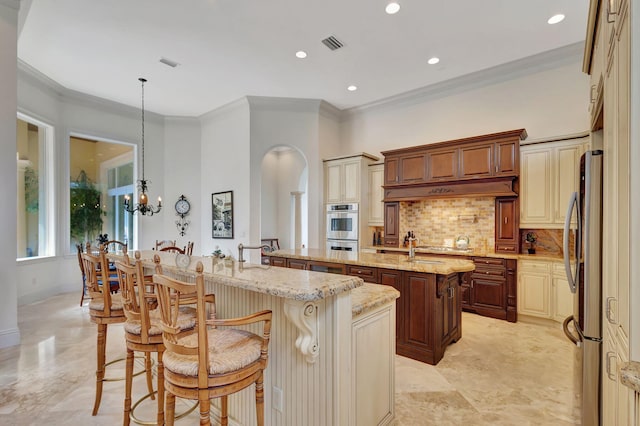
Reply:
x=489 y=294
x=376 y=206
x=278 y=261
x=535 y=186
x=465 y=290
x=562 y=296
x=419 y=303
x=391 y=224
x=351 y=182
x=442 y=164
x=412 y=168
x=507 y=229
x=476 y=161
x=393 y=278
x=534 y=294
x=333 y=184
x=391 y=175
x=506 y=154
x=297 y=264
x=567 y=163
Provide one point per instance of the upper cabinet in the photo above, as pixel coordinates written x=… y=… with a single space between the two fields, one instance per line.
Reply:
x=346 y=178
x=376 y=194
x=470 y=162
x=550 y=173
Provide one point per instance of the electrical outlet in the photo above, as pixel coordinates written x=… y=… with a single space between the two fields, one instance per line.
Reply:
x=277 y=400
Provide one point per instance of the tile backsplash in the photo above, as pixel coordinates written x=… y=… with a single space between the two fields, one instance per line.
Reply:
x=434 y=221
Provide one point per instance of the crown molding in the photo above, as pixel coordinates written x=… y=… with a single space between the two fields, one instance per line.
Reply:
x=526 y=66
x=224 y=109
x=284 y=104
x=330 y=111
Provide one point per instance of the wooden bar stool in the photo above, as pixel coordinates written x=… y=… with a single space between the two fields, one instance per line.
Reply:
x=142 y=330
x=214 y=360
x=104 y=308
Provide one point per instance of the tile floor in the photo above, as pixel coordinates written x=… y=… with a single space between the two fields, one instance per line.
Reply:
x=499 y=373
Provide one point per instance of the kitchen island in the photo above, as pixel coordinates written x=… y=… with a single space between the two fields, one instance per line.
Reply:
x=428 y=311
x=331 y=353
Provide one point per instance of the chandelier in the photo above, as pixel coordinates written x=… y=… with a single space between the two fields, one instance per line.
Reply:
x=143 y=205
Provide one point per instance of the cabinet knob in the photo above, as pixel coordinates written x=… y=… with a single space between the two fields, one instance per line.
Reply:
x=487 y=273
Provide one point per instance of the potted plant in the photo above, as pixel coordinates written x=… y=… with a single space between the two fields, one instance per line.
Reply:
x=531 y=239
x=85 y=210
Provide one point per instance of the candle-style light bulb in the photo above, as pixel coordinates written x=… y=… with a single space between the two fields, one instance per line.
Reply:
x=143 y=199
x=159 y=201
x=126 y=200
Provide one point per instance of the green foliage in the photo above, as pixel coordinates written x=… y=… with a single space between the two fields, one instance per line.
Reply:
x=31 y=189
x=531 y=237
x=86 y=212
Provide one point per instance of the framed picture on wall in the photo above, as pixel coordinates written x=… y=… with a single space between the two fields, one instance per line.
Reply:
x=222 y=214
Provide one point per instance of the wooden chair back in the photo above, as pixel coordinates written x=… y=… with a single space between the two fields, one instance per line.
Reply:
x=164 y=243
x=189 y=248
x=173 y=249
x=136 y=299
x=93 y=267
x=113 y=246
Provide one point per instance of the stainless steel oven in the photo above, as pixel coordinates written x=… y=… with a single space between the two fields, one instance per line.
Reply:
x=342 y=245
x=342 y=221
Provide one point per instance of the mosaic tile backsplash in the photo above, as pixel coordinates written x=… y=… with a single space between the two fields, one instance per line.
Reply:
x=435 y=221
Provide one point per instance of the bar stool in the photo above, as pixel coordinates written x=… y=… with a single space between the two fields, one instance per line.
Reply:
x=142 y=331
x=104 y=308
x=210 y=362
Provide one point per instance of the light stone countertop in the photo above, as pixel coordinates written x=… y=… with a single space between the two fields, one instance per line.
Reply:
x=444 y=266
x=630 y=375
x=473 y=253
x=370 y=296
x=281 y=282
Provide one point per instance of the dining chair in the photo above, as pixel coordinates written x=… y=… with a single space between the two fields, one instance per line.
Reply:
x=80 y=250
x=215 y=360
x=173 y=249
x=143 y=333
x=164 y=243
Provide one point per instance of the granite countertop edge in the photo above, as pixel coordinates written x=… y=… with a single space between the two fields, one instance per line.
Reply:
x=630 y=375
x=474 y=253
x=371 y=296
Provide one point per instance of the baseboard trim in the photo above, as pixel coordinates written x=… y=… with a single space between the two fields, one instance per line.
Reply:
x=10 y=337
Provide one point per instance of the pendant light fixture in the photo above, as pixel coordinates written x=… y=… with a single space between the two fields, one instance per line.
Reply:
x=143 y=205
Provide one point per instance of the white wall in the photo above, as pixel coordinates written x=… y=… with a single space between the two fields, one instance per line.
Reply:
x=224 y=165
x=182 y=172
x=549 y=102
x=9 y=333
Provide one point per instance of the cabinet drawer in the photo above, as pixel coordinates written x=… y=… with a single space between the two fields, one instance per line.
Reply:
x=369 y=275
x=482 y=262
x=558 y=268
x=506 y=248
x=493 y=273
x=529 y=265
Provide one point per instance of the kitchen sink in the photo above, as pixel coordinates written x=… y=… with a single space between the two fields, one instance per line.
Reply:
x=425 y=261
x=444 y=249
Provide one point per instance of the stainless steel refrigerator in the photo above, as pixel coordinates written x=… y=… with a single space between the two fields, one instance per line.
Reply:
x=583 y=263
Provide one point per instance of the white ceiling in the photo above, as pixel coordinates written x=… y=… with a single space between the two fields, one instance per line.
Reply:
x=232 y=48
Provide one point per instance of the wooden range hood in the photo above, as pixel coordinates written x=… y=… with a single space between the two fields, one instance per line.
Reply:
x=487 y=165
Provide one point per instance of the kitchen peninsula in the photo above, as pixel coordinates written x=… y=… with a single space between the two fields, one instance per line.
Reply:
x=331 y=353
x=428 y=314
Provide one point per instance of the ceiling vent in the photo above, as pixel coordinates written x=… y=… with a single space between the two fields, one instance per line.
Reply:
x=332 y=43
x=169 y=62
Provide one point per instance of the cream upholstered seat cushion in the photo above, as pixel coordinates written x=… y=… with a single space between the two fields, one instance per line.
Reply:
x=229 y=349
x=97 y=304
x=186 y=321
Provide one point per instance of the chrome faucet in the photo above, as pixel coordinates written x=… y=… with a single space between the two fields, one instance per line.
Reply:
x=412 y=249
x=241 y=247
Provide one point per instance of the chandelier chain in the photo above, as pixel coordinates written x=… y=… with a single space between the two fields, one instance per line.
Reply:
x=143 y=81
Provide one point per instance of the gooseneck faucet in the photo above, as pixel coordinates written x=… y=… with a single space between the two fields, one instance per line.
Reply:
x=241 y=247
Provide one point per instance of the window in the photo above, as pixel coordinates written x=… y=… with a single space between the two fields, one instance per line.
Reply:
x=101 y=174
x=34 y=233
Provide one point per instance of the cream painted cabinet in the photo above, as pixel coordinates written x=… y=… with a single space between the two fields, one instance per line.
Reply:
x=534 y=288
x=343 y=181
x=549 y=174
x=376 y=195
x=543 y=290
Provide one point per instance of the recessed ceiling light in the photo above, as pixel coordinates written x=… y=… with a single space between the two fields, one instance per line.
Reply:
x=392 y=8
x=433 y=61
x=301 y=54
x=555 y=19
x=352 y=88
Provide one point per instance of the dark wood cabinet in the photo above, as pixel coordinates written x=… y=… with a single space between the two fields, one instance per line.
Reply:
x=413 y=169
x=392 y=224
x=278 y=261
x=297 y=264
x=492 y=288
x=328 y=267
x=368 y=274
x=507 y=158
x=507 y=230
x=442 y=164
x=430 y=307
x=393 y=278
x=477 y=161
x=391 y=171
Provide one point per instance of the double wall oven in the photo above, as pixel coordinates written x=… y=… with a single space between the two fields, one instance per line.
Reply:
x=342 y=227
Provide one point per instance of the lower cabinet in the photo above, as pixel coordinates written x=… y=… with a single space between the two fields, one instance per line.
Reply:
x=490 y=290
x=543 y=290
